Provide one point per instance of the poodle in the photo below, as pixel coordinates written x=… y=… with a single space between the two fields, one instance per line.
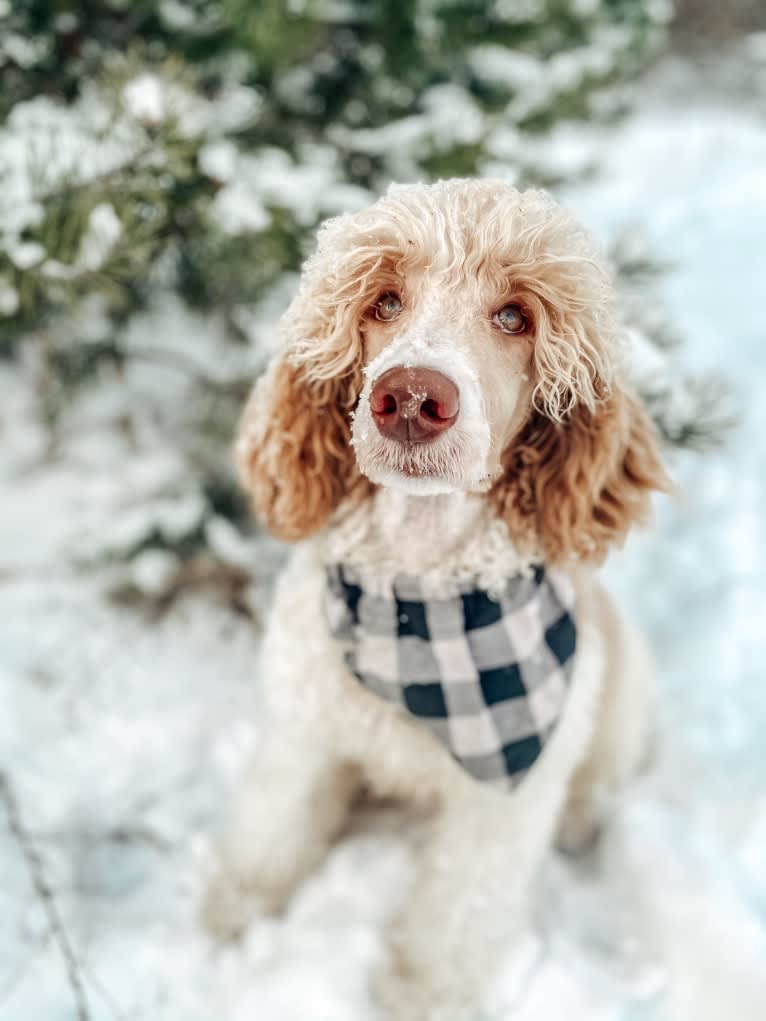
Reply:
x=447 y=434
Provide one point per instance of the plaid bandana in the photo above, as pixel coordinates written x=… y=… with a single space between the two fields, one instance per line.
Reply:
x=488 y=676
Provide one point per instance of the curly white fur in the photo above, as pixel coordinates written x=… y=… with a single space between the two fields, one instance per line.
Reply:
x=454 y=250
x=531 y=237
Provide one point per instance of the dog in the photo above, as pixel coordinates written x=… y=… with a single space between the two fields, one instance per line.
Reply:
x=448 y=435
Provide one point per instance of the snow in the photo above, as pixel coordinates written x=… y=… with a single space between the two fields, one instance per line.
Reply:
x=144 y=99
x=498 y=65
x=19 y=49
x=535 y=81
x=219 y=160
x=450 y=117
x=518 y=11
x=26 y=254
x=9 y=298
x=238 y=211
x=151 y=100
x=103 y=231
x=45 y=146
x=311 y=187
x=124 y=737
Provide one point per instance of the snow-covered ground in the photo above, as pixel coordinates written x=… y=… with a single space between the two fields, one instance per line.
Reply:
x=123 y=739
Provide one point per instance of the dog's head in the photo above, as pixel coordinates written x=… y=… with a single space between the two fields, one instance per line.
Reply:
x=457 y=336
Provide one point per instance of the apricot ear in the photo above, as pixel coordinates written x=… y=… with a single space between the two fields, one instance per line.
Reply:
x=573 y=489
x=293 y=449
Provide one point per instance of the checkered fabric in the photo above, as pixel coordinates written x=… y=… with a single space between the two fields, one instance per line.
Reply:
x=488 y=676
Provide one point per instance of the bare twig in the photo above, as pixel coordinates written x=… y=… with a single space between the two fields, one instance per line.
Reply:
x=104 y=993
x=45 y=896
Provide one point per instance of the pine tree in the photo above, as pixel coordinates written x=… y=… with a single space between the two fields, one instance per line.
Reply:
x=167 y=162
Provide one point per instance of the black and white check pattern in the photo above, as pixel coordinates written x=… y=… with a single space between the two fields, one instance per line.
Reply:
x=488 y=676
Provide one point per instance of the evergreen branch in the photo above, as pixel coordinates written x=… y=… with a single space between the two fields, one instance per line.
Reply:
x=70 y=186
x=45 y=896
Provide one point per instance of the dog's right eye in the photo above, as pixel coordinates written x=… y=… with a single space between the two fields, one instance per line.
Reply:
x=387 y=308
x=510 y=319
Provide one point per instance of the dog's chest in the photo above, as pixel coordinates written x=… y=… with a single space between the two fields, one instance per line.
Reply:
x=488 y=675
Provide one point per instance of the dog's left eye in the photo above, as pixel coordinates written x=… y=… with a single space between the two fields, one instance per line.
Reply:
x=387 y=308
x=510 y=319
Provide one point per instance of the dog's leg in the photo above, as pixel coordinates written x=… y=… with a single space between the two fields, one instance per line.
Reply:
x=620 y=741
x=293 y=804
x=477 y=864
x=298 y=790
x=467 y=904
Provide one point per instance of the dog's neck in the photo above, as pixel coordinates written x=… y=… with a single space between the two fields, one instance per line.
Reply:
x=430 y=527
x=445 y=538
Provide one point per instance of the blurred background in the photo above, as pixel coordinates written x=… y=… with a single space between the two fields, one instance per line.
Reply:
x=163 y=166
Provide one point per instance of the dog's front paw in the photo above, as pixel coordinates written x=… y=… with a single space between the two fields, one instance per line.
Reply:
x=409 y=992
x=229 y=905
x=579 y=831
x=400 y=997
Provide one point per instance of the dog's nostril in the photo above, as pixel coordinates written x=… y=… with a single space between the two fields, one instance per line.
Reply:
x=430 y=409
x=384 y=404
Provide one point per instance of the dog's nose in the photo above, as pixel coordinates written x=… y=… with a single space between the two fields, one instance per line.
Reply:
x=414 y=404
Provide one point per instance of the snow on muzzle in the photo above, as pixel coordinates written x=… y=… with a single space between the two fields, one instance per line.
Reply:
x=420 y=423
x=413 y=404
